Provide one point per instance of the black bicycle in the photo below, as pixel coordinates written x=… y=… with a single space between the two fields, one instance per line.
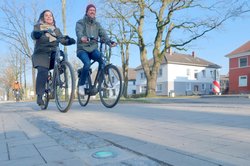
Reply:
x=17 y=94
x=61 y=82
x=107 y=82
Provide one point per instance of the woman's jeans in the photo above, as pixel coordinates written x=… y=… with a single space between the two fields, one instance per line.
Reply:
x=85 y=57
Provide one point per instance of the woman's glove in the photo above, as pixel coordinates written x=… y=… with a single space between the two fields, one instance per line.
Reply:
x=37 y=34
x=69 y=40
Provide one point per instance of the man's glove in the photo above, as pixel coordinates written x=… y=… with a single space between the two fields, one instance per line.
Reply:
x=70 y=40
x=37 y=34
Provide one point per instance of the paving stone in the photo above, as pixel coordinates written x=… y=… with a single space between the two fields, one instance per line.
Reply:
x=55 y=153
x=25 y=161
x=141 y=162
x=69 y=162
x=16 y=135
x=3 y=147
x=224 y=159
x=22 y=151
x=2 y=136
x=3 y=156
x=45 y=144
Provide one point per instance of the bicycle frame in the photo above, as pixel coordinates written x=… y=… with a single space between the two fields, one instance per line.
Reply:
x=54 y=78
x=56 y=66
x=93 y=89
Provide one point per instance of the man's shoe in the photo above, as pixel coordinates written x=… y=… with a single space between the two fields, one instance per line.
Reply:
x=81 y=90
x=39 y=100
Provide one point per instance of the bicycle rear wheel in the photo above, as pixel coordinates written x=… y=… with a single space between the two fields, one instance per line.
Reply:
x=64 y=86
x=111 y=87
x=45 y=97
x=84 y=99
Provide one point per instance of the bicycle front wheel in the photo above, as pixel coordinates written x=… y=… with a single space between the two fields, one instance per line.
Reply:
x=111 y=87
x=64 y=86
x=84 y=99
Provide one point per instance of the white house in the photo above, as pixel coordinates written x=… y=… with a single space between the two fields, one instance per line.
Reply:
x=131 y=81
x=181 y=74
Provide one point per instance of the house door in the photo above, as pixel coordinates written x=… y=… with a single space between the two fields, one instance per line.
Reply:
x=196 y=88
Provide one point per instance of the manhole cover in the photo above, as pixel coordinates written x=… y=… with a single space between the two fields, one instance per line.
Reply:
x=103 y=154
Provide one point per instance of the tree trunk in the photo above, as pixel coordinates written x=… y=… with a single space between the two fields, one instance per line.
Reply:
x=34 y=80
x=64 y=21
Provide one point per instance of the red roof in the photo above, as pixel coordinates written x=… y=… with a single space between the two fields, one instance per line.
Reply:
x=244 y=48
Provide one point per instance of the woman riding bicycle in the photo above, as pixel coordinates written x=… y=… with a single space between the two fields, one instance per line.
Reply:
x=44 y=52
x=87 y=28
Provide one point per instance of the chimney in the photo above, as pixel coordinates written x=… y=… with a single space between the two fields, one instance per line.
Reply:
x=193 y=54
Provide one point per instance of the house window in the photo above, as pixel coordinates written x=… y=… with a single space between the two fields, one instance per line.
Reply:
x=188 y=86
x=196 y=74
x=212 y=73
x=203 y=86
x=211 y=86
x=196 y=88
x=188 y=72
x=143 y=89
x=204 y=73
x=242 y=62
x=160 y=73
x=142 y=76
x=242 y=81
x=133 y=82
x=159 y=88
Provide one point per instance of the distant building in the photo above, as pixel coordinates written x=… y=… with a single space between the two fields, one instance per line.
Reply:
x=131 y=81
x=181 y=74
x=239 y=69
x=224 y=84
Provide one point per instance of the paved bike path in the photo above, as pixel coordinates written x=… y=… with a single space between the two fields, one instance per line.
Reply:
x=29 y=138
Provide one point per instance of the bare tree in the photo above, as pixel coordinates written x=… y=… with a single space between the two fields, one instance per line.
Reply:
x=16 y=60
x=172 y=17
x=7 y=77
x=14 y=31
x=123 y=34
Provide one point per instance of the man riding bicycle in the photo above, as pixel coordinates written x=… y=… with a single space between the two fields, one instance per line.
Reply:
x=87 y=28
x=16 y=87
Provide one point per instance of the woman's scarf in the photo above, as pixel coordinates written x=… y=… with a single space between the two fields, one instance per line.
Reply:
x=51 y=27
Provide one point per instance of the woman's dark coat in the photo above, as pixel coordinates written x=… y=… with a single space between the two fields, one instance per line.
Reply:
x=44 y=48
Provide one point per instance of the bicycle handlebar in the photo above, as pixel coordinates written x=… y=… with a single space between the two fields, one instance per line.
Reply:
x=59 y=38
x=50 y=31
x=99 y=41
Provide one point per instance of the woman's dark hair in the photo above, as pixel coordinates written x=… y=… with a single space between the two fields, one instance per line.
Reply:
x=41 y=17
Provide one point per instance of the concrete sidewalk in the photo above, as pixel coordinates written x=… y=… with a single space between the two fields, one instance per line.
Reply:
x=30 y=141
x=23 y=144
